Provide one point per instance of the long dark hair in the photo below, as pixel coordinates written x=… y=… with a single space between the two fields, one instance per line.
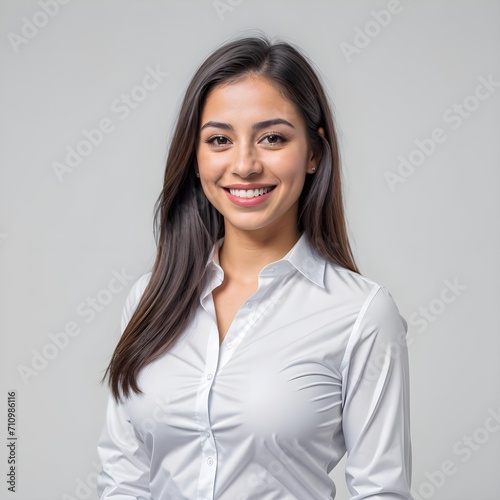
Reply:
x=187 y=226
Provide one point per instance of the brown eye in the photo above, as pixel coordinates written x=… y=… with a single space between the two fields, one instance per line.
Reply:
x=218 y=140
x=274 y=139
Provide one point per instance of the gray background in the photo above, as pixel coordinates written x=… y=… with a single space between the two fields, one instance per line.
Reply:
x=61 y=240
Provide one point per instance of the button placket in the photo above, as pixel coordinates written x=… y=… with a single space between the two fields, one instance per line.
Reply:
x=208 y=450
x=243 y=321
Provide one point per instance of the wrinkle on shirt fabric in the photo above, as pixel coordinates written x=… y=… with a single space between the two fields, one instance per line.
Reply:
x=314 y=365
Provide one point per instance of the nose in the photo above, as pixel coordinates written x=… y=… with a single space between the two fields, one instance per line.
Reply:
x=245 y=161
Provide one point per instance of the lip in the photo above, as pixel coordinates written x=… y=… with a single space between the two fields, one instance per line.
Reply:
x=248 y=202
x=249 y=186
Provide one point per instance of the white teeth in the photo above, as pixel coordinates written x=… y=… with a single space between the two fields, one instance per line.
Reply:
x=249 y=193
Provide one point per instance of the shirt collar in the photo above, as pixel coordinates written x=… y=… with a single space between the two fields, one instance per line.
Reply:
x=301 y=257
x=307 y=261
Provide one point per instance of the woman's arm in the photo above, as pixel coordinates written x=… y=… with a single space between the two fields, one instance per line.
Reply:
x=376 y=409
x=125 y=462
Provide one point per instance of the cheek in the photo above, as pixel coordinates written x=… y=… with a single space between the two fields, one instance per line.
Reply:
x=292 y=173
x=209 y=176
x=291 y=166
x=209 y=166
x=208 y=188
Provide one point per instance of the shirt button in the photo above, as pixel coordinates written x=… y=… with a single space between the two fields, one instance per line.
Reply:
x=229 y=346
x=209 y=376
x=210 y=461
x=207 y=434
x=249 y=305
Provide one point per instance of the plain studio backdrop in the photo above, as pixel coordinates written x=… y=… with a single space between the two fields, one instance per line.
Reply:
x=89 y=95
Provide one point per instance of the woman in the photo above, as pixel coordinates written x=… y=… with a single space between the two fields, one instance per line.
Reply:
x=254 y=355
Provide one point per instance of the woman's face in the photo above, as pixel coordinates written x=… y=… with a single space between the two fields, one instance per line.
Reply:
x=253 y=155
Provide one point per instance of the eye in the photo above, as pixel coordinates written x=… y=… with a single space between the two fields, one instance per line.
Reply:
x=218 y=141
x=273 y=139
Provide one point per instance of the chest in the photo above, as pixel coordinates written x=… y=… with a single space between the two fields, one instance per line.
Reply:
x=228 y=299
x=275 y=375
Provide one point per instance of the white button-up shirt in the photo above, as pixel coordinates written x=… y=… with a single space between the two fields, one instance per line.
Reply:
x=314 y=364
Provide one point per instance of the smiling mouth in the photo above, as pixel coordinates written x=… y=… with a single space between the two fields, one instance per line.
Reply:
x=250 y=193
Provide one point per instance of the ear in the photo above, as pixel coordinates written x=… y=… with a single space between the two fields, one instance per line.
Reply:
x=315 y=155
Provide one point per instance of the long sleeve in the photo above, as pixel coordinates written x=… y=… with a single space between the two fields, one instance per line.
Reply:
x=376 y=403
x=125 y=462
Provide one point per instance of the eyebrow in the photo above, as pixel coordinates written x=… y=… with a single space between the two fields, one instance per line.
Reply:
x=255 y=126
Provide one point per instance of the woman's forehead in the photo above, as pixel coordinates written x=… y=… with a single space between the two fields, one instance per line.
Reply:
x=247 y=96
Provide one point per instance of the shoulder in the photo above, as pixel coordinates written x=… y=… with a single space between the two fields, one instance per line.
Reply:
x=355 y=293
x=354 y=287
x=374 y=306
x=378 y=324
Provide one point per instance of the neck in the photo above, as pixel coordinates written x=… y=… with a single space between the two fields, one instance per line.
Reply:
x=243 y=254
